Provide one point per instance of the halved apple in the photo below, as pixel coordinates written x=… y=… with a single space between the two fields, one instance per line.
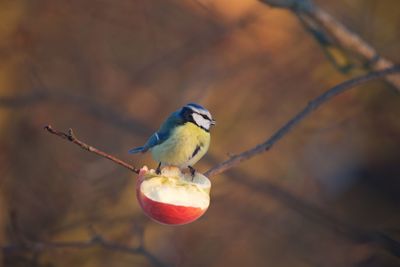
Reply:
x=173 y=197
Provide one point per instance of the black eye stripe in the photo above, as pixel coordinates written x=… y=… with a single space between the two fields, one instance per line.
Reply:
x=204 y=116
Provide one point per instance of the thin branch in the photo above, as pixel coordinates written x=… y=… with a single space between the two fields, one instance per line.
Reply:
x=355 y=43
x=312 y=105
x=346 y=38
x=71 y=137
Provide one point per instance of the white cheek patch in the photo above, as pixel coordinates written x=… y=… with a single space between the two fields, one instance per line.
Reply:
x=201 y=111
x=200 y=121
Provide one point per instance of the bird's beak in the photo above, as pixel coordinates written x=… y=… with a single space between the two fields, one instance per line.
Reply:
x=213 y=122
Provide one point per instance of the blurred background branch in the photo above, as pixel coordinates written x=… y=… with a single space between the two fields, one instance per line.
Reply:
x=335 y=38
x=86 y=104
x=314 y=213
x=96 y=240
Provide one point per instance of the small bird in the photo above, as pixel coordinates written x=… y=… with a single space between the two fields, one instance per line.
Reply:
x=182 y=140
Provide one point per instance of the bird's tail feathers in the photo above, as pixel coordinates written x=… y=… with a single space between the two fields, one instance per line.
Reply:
x=137 y=150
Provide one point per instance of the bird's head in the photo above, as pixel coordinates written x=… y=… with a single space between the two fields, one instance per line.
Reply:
x=198 y=115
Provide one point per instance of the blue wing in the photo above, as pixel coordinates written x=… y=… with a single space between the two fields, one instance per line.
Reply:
x=136 y=150
x=162 y=134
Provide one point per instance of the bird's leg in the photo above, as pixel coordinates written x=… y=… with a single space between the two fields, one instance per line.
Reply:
x=192 y=171
x=158 y=170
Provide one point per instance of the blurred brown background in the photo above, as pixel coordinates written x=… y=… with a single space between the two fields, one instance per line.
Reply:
x=327 y=195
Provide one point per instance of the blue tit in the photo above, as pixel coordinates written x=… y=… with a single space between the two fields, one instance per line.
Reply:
x=182 y=140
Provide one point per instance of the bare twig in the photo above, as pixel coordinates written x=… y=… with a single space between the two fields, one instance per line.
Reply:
x=340 y=33
x=312 y=105
x=71 y=137
x=354 y=43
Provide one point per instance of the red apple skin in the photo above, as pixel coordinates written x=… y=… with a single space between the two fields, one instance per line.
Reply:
x=168 y=213
x=165 y=213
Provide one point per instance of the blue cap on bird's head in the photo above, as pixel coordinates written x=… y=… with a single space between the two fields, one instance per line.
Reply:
x=196 y=106
x=199 y=115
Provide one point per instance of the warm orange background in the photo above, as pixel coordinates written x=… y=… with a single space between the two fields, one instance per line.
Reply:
x=113 y=70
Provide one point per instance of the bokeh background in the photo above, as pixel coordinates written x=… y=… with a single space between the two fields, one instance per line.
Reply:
x=328 y=194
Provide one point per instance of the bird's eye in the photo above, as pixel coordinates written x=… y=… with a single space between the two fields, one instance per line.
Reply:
x=205 y=117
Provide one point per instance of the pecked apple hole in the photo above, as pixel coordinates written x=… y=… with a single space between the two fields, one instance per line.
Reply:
x=173 y=197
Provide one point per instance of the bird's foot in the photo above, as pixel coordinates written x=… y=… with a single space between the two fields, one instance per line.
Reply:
x=158 y=170
x=192 y=171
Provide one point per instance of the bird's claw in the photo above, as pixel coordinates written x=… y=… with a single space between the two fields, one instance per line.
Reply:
x=192 y=171
x=158 y=170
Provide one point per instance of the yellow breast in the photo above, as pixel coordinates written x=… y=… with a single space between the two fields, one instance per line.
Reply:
x=178 y=149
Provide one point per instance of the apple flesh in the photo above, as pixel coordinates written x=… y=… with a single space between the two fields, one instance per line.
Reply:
x=173 y=197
